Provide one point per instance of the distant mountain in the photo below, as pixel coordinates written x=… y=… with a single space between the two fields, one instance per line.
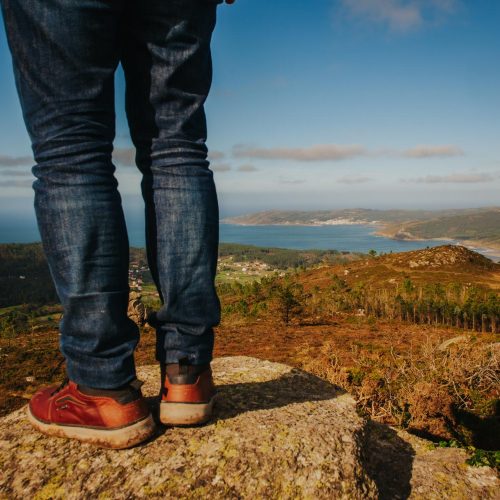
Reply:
x=359 y=215
x=479 y=226
x=482 y=227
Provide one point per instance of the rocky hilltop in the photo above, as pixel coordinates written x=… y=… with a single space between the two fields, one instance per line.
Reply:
x=441 y=257
x=278 y=432
x=444 y=264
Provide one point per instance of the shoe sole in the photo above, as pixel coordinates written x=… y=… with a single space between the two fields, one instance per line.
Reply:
x=185 y=414
x=124 y=437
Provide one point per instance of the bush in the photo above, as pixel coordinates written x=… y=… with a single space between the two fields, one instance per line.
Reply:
x=449 y=393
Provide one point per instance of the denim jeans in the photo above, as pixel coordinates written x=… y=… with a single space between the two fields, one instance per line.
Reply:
x=65 y=53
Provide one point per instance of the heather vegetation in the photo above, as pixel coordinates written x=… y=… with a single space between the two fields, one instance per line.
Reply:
x=482 y=226
x=283 y=258
x=437 y=390
x=439 y=393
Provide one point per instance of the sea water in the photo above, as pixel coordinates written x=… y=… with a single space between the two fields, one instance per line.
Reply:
x=22 y=228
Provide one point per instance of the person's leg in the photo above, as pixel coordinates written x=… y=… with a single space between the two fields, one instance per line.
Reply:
x=65 y=53
x=167 y=63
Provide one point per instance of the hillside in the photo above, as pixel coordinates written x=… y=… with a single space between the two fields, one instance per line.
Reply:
x=375 y=326
x=414 y=335
x=25 y=276
x=442 y=264
x=355 y=215
x=474 y=228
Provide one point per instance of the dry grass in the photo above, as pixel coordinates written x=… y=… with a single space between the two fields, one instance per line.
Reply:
x=434 y=392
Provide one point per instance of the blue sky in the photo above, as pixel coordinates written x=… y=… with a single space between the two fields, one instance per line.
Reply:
x=330 y=104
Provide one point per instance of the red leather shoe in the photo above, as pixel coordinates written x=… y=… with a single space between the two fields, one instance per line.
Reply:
x=120 y=419
x=187 y=395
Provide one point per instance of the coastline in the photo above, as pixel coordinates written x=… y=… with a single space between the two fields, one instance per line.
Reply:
x=490 y=250
x=303 y=224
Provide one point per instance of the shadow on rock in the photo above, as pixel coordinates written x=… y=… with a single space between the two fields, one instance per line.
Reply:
x=296 y=386
x=481 y=432
x=388 y=460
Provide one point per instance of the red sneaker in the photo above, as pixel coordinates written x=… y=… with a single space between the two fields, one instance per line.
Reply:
x=110 y=419
x=187 y=394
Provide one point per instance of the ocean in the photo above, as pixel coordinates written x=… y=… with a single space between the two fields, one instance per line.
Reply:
x=22 y=228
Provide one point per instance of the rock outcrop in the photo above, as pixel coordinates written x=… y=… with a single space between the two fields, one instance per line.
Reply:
x=277 y=432
x=441 y=257
x=406 y=466
x=136 y=309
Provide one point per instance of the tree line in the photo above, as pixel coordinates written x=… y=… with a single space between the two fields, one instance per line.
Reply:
x=466 y=306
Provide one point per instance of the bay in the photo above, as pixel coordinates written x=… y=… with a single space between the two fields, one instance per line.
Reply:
x=22 y=228
x=342 y=237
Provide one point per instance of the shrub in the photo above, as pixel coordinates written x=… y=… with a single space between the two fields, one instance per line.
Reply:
x=427 y=389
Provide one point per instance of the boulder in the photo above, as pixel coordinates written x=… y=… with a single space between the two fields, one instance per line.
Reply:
x=277 y=432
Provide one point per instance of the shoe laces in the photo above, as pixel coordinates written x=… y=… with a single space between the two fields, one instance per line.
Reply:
x=63 y=384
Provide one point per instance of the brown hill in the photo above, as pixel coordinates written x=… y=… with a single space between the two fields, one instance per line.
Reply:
x=445 y=256
x=443 y=264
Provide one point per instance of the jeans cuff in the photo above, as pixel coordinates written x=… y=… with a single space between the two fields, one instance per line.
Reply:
x=171 y=346
x=101 y=377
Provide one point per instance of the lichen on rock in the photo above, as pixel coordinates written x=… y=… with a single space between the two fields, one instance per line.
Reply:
x=277 y=432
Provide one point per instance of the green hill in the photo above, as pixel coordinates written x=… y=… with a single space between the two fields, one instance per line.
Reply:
x=482 y=227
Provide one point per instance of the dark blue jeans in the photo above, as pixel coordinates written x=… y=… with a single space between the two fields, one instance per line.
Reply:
x=65 y=53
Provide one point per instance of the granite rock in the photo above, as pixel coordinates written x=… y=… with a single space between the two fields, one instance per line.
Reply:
x=277 y=432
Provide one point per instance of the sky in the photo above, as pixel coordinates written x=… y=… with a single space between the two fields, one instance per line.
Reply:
x=328 y=104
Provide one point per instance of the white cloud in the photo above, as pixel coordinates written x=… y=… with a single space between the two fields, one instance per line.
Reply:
x=247 y=168
x=16 y=172
x=125 y=156
x=221 y=167
x=400 y=15
x=338 y=152
x=291 y=181
x=16 y=183
x=13 y=161
x=433 y=151
x=322 y=152
x=216 y=155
